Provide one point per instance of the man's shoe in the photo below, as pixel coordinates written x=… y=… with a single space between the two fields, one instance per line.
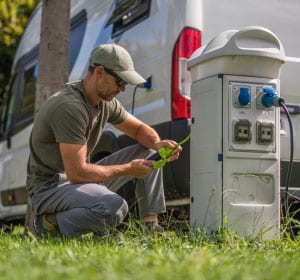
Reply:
x=104 y=232
x=157 y=228
x=154 y=228
x=43 y=227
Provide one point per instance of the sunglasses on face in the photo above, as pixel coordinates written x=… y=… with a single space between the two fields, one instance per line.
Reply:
x=119 y=81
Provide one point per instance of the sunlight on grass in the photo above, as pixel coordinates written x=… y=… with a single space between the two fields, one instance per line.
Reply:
x=128 y=254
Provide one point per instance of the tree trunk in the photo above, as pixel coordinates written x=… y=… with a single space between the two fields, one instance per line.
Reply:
x=53 y=60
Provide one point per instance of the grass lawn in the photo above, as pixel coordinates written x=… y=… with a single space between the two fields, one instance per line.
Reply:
x=132 y=255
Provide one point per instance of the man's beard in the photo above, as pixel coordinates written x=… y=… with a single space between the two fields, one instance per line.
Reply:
x=106 y=97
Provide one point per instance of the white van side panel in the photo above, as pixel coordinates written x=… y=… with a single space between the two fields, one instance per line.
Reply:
x=31 y=36
x=147 y=42
x=151 y=44
x=14 y=165
x=97 y=14
x=193 y=10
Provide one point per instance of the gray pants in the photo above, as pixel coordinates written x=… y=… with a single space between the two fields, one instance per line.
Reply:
x=91 y=207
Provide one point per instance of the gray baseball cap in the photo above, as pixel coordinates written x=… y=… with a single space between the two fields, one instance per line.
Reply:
x=117 y=59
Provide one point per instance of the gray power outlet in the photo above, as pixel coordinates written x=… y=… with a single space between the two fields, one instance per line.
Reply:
x=242 y=130
x=265 y=132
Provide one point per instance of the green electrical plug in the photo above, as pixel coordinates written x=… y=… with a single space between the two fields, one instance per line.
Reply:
x=165 y=152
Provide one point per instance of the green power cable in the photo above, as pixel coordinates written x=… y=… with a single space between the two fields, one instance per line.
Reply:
x=165 y=152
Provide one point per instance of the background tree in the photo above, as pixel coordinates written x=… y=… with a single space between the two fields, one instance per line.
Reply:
x=54 y=49
x=13 y=18
x=53 y=57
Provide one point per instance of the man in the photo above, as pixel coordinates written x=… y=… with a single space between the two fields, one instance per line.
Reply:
x=68 y=194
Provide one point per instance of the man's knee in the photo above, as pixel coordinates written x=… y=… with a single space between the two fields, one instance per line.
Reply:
x=121 y=213
x=116 y=209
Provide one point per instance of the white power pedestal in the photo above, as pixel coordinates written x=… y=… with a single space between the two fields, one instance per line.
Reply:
x=235 y=169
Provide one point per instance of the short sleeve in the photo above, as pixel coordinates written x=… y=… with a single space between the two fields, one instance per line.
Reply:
x=70 y=123
x=117 y=112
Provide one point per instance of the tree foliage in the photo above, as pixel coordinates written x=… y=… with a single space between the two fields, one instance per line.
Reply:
x=13 y=18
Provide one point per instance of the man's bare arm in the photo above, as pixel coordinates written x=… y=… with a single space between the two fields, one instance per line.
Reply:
x=139 y=131
x=79 y=171
x=147 y=136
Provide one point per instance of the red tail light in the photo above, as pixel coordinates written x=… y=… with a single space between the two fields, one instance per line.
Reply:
x=188 y=41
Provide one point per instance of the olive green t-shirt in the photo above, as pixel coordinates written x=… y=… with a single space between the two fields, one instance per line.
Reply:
x=66 y=117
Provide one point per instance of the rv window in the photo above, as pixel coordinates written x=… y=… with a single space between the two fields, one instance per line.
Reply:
x=11 y=99
x=78 y=25
x=24 y=115
x=128 y=13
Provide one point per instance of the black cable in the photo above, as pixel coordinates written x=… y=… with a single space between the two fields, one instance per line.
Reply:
x=147 y=85
x=133 y=99
x=290 y=165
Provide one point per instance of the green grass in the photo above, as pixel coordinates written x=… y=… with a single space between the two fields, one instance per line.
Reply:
x=132 y=255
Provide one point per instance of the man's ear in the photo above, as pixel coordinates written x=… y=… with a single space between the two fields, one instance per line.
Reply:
x=99 y=70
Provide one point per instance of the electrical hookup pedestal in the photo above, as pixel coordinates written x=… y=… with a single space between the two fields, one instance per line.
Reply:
x=235 y=157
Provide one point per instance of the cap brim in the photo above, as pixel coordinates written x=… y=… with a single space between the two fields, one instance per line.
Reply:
x=131 y=77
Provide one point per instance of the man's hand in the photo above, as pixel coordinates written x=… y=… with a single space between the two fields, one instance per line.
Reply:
x=140 y=168
x=176 y=149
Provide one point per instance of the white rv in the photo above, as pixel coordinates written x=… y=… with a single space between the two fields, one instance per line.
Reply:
x=160 y=35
